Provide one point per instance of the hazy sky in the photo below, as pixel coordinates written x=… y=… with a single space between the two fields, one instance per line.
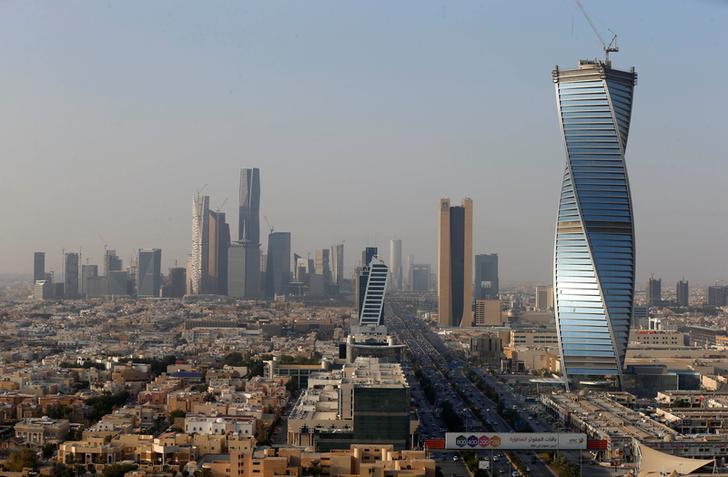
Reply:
x=361 y=115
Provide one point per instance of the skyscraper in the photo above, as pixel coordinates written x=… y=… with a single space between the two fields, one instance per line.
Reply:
x=249 y=212
x=681 y=290
x=278 y=270
x=198 y=266
x=176 y=279
x=70 y=279
x=654 y=291
x=117 y=283
x=455 y=264
x=38 y=266
x=367 y=254
x=594 y=251
x=149 y=272
x=486 y=276
x=323 y=265
x=87 y=271
x=361 y=275
x=420 y=277
x=395 y=262
x=112 y=263
x=372 y=309
x=337 y=263
x=217 y=256
x=244 y=270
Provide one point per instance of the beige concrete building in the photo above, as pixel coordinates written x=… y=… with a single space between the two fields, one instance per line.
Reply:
x=44 y=430
x=245 y=460
x=544 y=297
x=488 y=313
x=455 y=264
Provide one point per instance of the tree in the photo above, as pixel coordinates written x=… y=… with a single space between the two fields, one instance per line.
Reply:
x=20 y=459
x=177 y=413
x=118 y=470
x=49 y=450
x=234 y=359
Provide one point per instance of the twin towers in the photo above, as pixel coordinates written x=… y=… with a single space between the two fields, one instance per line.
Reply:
x=594 y=247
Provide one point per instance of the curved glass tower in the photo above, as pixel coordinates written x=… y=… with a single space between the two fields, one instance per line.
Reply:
x=594 y=260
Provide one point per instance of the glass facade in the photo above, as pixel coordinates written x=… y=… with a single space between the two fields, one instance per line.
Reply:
x=594 y=262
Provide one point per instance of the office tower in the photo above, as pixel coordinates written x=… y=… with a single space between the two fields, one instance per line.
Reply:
x=176 y=279
x=371 y=311
x=337 y=264
x=420 y=281
x=112 y=262
x=87 y=271
x=654 y=291
x=488 y=312
x=38 y=266
x=594 y=251
x=149 y=272
x=486 y=276
x=70 y=278
x=96 y=287
x=367 y=254
x=408 y=267
x=361 y=275
x=117 y=283
x=278 y=270
x=219 y=243
x=249 y=212
x=323 y=264
x=717 y=295
x=244 y=270
x=199 y=261
x=455 y=264
x=395 y=263
x=42 y=289
x=544 y=297
x=681 y=291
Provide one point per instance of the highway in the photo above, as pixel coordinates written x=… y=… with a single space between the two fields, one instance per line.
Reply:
x=446 y=370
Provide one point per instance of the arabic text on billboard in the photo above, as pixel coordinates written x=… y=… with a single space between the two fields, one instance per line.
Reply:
x=515 y=440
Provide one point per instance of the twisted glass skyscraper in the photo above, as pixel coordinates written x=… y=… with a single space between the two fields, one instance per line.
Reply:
x=594 y=260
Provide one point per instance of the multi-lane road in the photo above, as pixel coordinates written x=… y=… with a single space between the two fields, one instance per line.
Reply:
x=445 y=370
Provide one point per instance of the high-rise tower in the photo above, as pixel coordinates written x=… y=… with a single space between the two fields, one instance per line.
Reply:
x=38 y=266
x=594 y=261
x=455 y=264
x=278 y=269
x=70 y=279
x=395 y=262
x=249 y=218
x=218 y=243
x=149 y=272
x=372 y=308
x=486 y=276
x=198 y=265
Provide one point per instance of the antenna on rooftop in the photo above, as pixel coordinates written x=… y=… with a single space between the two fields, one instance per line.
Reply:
x=608 y=48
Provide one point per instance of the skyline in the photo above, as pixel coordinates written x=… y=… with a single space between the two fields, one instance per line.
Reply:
x=458 y=153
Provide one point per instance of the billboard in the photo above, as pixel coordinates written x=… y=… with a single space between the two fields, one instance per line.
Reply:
x=514 y=440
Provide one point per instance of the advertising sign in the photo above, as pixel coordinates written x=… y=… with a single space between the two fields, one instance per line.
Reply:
x=515 y=440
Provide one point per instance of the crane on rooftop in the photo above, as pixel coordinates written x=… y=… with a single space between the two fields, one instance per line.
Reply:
x=608 y=48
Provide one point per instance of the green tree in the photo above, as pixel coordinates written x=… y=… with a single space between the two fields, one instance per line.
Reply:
x=118 y=470
x=20 y=459
x=177 y=413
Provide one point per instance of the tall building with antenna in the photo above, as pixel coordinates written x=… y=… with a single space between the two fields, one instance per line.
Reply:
x=594 y=253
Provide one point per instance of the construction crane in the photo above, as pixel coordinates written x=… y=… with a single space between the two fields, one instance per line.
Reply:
x=268 y=222
x=219 y=207
x=608 y=48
